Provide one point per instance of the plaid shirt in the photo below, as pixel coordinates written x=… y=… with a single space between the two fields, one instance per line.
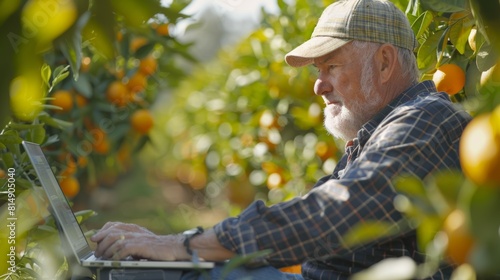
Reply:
x=417 y=133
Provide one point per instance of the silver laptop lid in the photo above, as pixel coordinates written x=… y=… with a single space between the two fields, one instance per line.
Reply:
x=60 y=207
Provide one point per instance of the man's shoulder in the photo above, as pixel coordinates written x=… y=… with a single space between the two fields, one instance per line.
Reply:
x=434 y=105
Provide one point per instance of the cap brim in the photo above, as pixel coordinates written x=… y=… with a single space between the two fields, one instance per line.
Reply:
x=313 y=48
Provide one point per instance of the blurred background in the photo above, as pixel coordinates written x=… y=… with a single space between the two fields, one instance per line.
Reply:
x=174 y=114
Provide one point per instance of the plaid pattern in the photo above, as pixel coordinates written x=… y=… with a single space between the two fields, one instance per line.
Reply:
x=366 y=20
x=417 y=133
x=376 y=21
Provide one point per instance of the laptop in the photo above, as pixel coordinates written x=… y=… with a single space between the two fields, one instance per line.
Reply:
x=71 y=230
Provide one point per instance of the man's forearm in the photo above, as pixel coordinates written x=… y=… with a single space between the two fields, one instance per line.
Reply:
x=208 y=247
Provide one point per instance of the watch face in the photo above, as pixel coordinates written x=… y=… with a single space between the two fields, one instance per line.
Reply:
x=193 y=231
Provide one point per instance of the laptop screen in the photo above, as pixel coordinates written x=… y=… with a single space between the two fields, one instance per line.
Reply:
x=61 y=208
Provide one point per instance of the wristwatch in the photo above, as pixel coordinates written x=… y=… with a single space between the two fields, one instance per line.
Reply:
x=188 y=234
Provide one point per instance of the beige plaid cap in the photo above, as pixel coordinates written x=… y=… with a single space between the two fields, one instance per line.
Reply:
x=376 y=21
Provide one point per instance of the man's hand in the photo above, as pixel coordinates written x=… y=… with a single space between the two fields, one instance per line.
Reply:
x=119 y=241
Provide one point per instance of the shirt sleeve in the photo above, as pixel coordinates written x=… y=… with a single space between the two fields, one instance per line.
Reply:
x=412 y=141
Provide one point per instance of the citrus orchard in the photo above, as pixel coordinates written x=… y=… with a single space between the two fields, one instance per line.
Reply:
x=449 y=78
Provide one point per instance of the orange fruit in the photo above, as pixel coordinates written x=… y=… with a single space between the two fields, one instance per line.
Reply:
x=102 y=147
x=491 y=76
x=460 y=240
x=100 y=142
x=295 y=269
x=3 y=174
x=62 y=99
x=148 y=66
x=480 y=149
x=70 y=186
x=472 y=39
x=26 y=96
x=137 y=43
x=85 y=65
x=323 y=150
x=449 y=78
x=142 y=121
x=82 y=161
x=80 y=101
x=137 y=83
x=162 y=29
x=50 y=18
x=119 y=36
x=71 y=166
x=117 y=93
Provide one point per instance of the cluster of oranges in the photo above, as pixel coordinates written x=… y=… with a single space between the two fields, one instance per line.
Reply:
x=479 y=158
x=66 y=100
x=125 y=90
x=68 y=181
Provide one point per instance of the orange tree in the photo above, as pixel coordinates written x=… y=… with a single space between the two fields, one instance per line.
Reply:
x=246 y=125
x=82 y=78
x=249 y=127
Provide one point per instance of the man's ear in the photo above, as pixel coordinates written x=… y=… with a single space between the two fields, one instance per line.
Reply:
x=387 y=59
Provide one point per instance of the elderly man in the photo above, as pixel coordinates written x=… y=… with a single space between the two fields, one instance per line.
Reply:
x=393 y=125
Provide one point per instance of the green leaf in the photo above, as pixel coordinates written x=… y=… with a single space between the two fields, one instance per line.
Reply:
x=57 y=123
x=144 y=50
x=70 y=44
x=367 y=232
x=486 y=57
x=460 y=25
x=83 y=215
x=10 y=139
x=46 y=72
x=449 y=184
x=8 y=160
x=410 y=185
x=426 y=56
x=242 y=260
x=442 y=46
x=37 y=134
x=422 y=23
x=136 y=13
x=447 y=6
x=60 y=74
x=83 y=86
x=100 y=29
x=427 y=229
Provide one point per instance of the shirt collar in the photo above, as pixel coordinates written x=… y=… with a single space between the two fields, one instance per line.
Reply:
x=420 y=89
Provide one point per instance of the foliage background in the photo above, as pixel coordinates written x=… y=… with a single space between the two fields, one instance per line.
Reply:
x=241 y=127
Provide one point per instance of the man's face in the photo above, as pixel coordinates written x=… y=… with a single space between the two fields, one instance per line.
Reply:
x=347 y=84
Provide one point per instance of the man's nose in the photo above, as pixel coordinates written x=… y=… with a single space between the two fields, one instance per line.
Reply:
x=322 y=86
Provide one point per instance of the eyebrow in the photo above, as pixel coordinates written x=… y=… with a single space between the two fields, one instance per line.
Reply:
x=327 y=58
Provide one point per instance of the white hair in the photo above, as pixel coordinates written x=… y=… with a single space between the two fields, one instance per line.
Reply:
x=406 y=59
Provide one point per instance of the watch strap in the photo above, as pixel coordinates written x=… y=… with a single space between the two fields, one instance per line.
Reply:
x=190 y=234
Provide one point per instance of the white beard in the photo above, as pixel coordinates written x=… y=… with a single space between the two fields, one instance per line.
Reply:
x=346 y=123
